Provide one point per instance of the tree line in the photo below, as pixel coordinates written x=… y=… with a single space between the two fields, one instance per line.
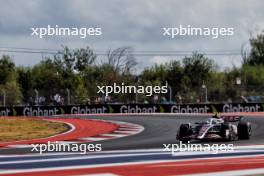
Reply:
x=79 y=71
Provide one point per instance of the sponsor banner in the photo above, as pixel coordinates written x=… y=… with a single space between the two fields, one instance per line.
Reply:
x=129 y=108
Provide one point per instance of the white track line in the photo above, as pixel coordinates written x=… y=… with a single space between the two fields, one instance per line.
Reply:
x=82 y=157
x=65 y=168
x=93 y=138
x=232 y=173
x=114 y=135
x=124 y=131
x=19 y=146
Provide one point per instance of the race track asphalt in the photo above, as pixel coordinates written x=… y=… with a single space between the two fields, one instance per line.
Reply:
x=159 y=130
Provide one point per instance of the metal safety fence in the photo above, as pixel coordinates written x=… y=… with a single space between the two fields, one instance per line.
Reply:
x=203 y=94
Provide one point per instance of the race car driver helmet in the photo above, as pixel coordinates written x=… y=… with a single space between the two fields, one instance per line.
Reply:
x=216 y=115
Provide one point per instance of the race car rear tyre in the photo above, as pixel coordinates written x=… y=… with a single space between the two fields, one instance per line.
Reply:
x=244 y=130
x=184 y=132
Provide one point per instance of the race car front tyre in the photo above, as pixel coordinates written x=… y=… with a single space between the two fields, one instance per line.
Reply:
x=184 y=132
x=244 y=130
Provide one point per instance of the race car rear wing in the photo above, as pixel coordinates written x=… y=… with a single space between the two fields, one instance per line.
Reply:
x=232 y=118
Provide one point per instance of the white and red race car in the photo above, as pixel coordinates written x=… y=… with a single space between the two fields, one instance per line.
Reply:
x=228 y=128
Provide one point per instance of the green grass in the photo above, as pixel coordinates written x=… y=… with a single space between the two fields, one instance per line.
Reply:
x=13 y=129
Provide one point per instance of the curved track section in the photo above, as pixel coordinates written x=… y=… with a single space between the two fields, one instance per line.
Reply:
x=143 y=153
x=161 y=130
x=78 y=128
x=82 y=131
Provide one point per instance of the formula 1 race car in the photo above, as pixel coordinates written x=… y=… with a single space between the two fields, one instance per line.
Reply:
x=228 y=128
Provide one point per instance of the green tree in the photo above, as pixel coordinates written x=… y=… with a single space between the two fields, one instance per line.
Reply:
x=46 y=76
x=75 y=60
x=8 y=81
x=256 y=56
x=85 y=57
x=253 y=78
x=80 y=92
x=197 y=69
x=25 y=81
x=122 y=60
x=13 y=93
x=7 y=69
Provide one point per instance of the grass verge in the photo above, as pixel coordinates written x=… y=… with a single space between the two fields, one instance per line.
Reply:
x=14 y=129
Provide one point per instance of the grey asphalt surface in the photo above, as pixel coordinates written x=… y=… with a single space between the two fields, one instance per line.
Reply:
x=159 y=130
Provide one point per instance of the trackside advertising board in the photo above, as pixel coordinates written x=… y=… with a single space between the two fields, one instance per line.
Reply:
x=129 y=108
